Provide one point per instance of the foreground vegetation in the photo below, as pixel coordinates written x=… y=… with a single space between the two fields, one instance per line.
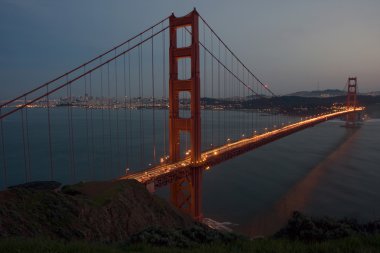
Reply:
x=122 y=216
x=352 y=244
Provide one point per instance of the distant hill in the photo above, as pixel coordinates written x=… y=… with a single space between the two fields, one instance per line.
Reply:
x=373 y=93
x=319 y=93
x=327 y=93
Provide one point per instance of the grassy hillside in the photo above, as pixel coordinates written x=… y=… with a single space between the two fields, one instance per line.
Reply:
x=122 y=216
x=93 y=211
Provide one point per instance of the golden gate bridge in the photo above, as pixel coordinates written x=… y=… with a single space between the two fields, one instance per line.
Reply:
x=159 y=108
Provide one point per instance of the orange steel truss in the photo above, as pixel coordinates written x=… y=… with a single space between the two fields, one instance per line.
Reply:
x=351 y=100
x=185 y=192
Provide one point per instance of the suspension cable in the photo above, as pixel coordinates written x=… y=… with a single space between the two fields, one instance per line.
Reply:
x=84 y=64
x=204 y=21
x=80 y=76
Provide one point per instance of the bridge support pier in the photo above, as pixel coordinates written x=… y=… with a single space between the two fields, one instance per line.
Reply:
x=185 y=192
x=150 y=187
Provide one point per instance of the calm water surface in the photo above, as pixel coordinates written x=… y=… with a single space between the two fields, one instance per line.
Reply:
x=324 y=170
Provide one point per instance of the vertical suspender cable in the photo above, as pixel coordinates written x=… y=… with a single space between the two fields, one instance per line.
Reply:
x=241 y=112
x=3 y=152
x=245 y=99
x=71 y=131
x=257 y=108
x=224 y=93
x=251 y=106
x=28 y=142
x=212 y=92
x=164 y=87
x=117 y=120
x=109 y=118
x=125 y=113
x=92 y=130
x=240 y=119
x=102 y=116
x=130 y=103
x=242 y=90
x=72 y=134
x=233 y=87
x=86 y=118
x=247 y=95
x=24 y=146
x=140 y=110
x=142 y=103
x=244 y=122
x=154 y=104
x=49 y=134
x=219 y=126
x=232 y=98
x=69 y=128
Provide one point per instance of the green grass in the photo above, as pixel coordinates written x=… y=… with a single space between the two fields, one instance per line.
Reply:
x=353 y=244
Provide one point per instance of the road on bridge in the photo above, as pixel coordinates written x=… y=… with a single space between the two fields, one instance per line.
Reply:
x=167 y=173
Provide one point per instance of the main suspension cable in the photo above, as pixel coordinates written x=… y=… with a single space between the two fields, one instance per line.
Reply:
x=212 y=30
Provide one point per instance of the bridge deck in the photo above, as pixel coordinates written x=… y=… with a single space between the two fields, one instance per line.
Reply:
x=169 y=172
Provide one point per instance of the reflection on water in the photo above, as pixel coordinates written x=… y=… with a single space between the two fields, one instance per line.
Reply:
x=324 y=170
x=299 y=195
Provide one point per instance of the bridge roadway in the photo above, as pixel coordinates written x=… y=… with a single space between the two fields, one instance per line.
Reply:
x=167 y=173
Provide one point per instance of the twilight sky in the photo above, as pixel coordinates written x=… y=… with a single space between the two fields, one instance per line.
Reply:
x=292 y=44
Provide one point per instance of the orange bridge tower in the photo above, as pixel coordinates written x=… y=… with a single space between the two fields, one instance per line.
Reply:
x=185 y=193
x=351 y=119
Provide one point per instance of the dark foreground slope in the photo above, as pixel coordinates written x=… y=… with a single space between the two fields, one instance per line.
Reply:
x=123 y=217
x=358 y=244
x=94 y=211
